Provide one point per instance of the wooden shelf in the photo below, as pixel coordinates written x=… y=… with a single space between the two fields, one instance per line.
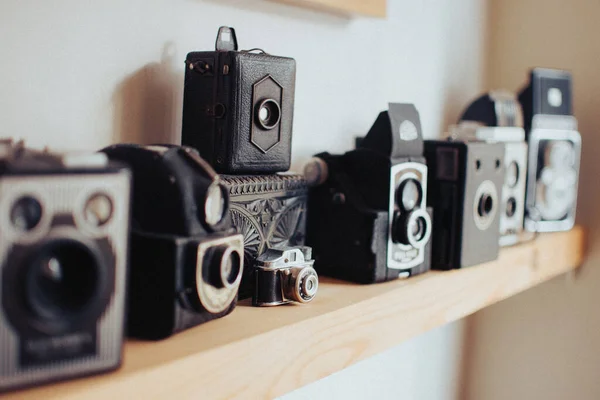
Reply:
x=371 y=8
x=266 y=352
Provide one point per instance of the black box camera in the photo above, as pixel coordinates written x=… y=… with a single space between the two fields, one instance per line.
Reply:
x=238 y=107
x=64 y=222
x=367 y=219
x=186 y=259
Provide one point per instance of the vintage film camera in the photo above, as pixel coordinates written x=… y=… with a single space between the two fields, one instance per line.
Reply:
x=497 y=117
x=64 y=222
x=186 y=259
x=238 y=107
x=285 y=276
x=465 y=188
x=554 y=151
x=270 y=212
x=368 y=220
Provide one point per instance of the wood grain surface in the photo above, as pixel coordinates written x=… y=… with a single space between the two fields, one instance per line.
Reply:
x=266 y=352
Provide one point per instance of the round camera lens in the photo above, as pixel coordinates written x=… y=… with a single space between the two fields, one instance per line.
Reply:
x=310 y=285
x=306 y=285
x=512 y=174
x=486 y=205
x=511 y=207
x=62 y=279
x=26 y=213
x=214 y=205
x=98 y=210
x=268 y=114
x=409 y=194
x=231 y=267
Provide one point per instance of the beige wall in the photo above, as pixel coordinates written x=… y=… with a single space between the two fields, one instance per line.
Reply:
x=545 y=343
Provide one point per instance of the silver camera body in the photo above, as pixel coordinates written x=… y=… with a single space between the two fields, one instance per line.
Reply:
x=554 y=151
x=512 y=209
x=64 y=223
x=284 y=276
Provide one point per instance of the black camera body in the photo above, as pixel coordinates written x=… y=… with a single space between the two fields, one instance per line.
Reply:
x=186 y=259
x=238 y=107
x=269 y=211
x=465 y=188
x=368 y=221
x=64 y=222
x=554 y=151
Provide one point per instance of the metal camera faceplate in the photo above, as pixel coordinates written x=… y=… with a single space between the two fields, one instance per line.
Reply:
x=212 y=298
x=267 y=99
x=405 y=256
x=63 y=198
x=551 y=197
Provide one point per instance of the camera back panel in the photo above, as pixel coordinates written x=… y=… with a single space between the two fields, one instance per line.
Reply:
x=238 y=110
x=38 y=349
x=465 y=187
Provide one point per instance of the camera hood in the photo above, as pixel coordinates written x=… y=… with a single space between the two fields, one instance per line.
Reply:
x=396 y=133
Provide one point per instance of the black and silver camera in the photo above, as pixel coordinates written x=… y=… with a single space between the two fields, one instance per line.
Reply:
x=285 y=276
x=270 y=212
x=497 y=117
x=238 y=107
x=64 y=222
x=554 y=151
x=465 y=188
x=186 y=259
x=367 y=219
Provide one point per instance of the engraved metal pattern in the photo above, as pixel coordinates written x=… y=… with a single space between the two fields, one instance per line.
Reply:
x=66 y=194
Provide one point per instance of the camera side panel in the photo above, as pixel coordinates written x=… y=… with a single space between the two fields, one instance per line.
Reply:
x=513 y=192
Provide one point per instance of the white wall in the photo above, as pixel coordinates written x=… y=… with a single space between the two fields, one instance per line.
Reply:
x=545 y=343
x=82 y=74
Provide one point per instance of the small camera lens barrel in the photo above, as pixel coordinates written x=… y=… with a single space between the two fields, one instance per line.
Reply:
x=26 y=213
x=62 y=279
x=409 y=194
x=268 y=114
x=511 y=207
x=223 y=266
x=512 y=174
x=304 y=284
x=413 y=229
x=486 y=205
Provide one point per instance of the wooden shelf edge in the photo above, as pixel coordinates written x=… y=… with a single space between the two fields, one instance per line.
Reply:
x=264 y=353
x=371 y=8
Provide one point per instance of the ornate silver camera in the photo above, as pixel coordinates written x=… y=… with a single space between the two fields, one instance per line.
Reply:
x=554 y=151
x=64 y=222
x=497 y=117
x=285 y=275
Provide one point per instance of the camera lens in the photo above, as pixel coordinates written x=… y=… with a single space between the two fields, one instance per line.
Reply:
x=304 y=285
x=26 y=213
x=62 y=279
x=98 y=210
x=413 y=229
x=511 y=207
x=486 y=205
x=418 y=228
x=560 y=154
x=268 y=114
x=214 y=205
x=409 y=194
x=223 y=266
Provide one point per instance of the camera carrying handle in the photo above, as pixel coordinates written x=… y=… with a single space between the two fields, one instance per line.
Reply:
x=226 y=39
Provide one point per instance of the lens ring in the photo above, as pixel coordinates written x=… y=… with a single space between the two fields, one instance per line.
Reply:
x=416 y=217
x=511 y=207
x=230 y=268
x=485 y=205
x=98 y=210
x=26 y=213
x=306 y=276
x=268 y=114
x=215 y=204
